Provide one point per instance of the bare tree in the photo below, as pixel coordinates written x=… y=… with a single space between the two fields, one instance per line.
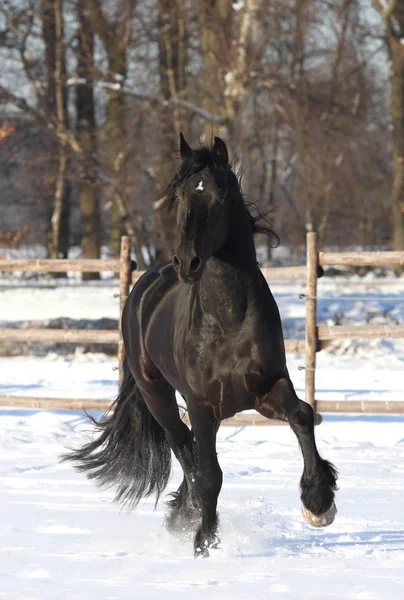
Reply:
x=62 y=123
x=291 y=84
x=172 y=62
x=215 y=38
x=392 y=13
x=115 y=34
x=87 y=137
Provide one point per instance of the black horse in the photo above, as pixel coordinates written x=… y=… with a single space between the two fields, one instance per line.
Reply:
x=206 y=325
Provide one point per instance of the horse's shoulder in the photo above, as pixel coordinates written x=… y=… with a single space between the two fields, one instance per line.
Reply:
x=160 y=275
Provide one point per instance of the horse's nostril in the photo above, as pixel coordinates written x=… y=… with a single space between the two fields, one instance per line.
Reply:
x=195 y=264
x=176 y=262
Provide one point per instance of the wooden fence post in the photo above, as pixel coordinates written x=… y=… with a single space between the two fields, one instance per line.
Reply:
x=311 y=318
x=125 y=278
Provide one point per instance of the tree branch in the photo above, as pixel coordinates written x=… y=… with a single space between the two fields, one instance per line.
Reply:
x=7 y=97
x=58 y=129
x=385 y=8
x=153 y=99
x=125 y=215
x=102 y=27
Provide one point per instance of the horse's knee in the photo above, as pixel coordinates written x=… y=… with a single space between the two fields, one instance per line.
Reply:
x=302 y=416
x=208 y=482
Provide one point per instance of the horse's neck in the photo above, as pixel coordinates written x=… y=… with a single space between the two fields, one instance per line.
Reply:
x=239 y=249
x=231 y=280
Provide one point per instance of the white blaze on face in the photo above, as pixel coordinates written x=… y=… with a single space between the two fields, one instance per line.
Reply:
x=200 y=186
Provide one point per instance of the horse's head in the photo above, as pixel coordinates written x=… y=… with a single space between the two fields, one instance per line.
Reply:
x=200 y=194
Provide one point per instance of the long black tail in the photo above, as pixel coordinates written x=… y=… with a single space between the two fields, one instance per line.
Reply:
x=131 y=451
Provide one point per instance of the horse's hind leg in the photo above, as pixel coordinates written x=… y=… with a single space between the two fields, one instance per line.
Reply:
x=318 y=481
x=184 y=508
x=184 y=511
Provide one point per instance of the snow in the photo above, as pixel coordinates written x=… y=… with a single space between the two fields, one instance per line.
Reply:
x=238 y=5
x=74 y=301
x=64 y=538
x=76 y=81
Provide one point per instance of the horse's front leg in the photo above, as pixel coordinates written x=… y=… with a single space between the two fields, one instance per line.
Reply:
x=319 y=479
x=208 y=477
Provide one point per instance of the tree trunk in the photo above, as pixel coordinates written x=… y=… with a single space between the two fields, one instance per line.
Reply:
x=216 y=35
x=64 y=228
x=273 y=184
x=114 y=133
x=392 y=14
x=396 y=53
x=49 y=38
x=58 y=203
x=61 y=120
x=56 y=105
x=172 y=58
x=86 y=131
x=116 y=37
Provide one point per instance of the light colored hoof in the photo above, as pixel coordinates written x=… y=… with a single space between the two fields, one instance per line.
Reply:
x=320 y=520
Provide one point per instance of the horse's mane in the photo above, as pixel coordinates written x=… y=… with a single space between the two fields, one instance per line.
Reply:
x=203 y=158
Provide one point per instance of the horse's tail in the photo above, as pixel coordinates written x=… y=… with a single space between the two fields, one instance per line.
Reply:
x=130 y=452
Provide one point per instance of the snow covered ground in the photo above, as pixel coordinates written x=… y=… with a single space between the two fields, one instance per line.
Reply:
x=61 y=538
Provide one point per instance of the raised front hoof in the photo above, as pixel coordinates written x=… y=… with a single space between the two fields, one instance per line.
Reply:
x=320 y=520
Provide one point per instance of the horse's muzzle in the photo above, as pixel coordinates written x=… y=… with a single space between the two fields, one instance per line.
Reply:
x=189 y=270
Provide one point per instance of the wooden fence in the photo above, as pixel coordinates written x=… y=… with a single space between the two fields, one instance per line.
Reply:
x=313 y=342
x=74 y=336
x=315 y=334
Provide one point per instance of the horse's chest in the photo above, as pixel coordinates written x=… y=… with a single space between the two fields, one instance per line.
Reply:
x=227 y=395
x=218 y=372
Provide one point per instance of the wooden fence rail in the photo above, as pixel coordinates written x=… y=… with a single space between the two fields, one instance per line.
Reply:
x=56 y=336
x=361 y=259
x=364 y=332
x=316 y=335
x=60 y=265
x=382 y=407
x=88 y=336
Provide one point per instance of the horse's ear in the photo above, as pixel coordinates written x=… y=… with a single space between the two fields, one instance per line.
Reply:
x=220 y=153
x=185 y=149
